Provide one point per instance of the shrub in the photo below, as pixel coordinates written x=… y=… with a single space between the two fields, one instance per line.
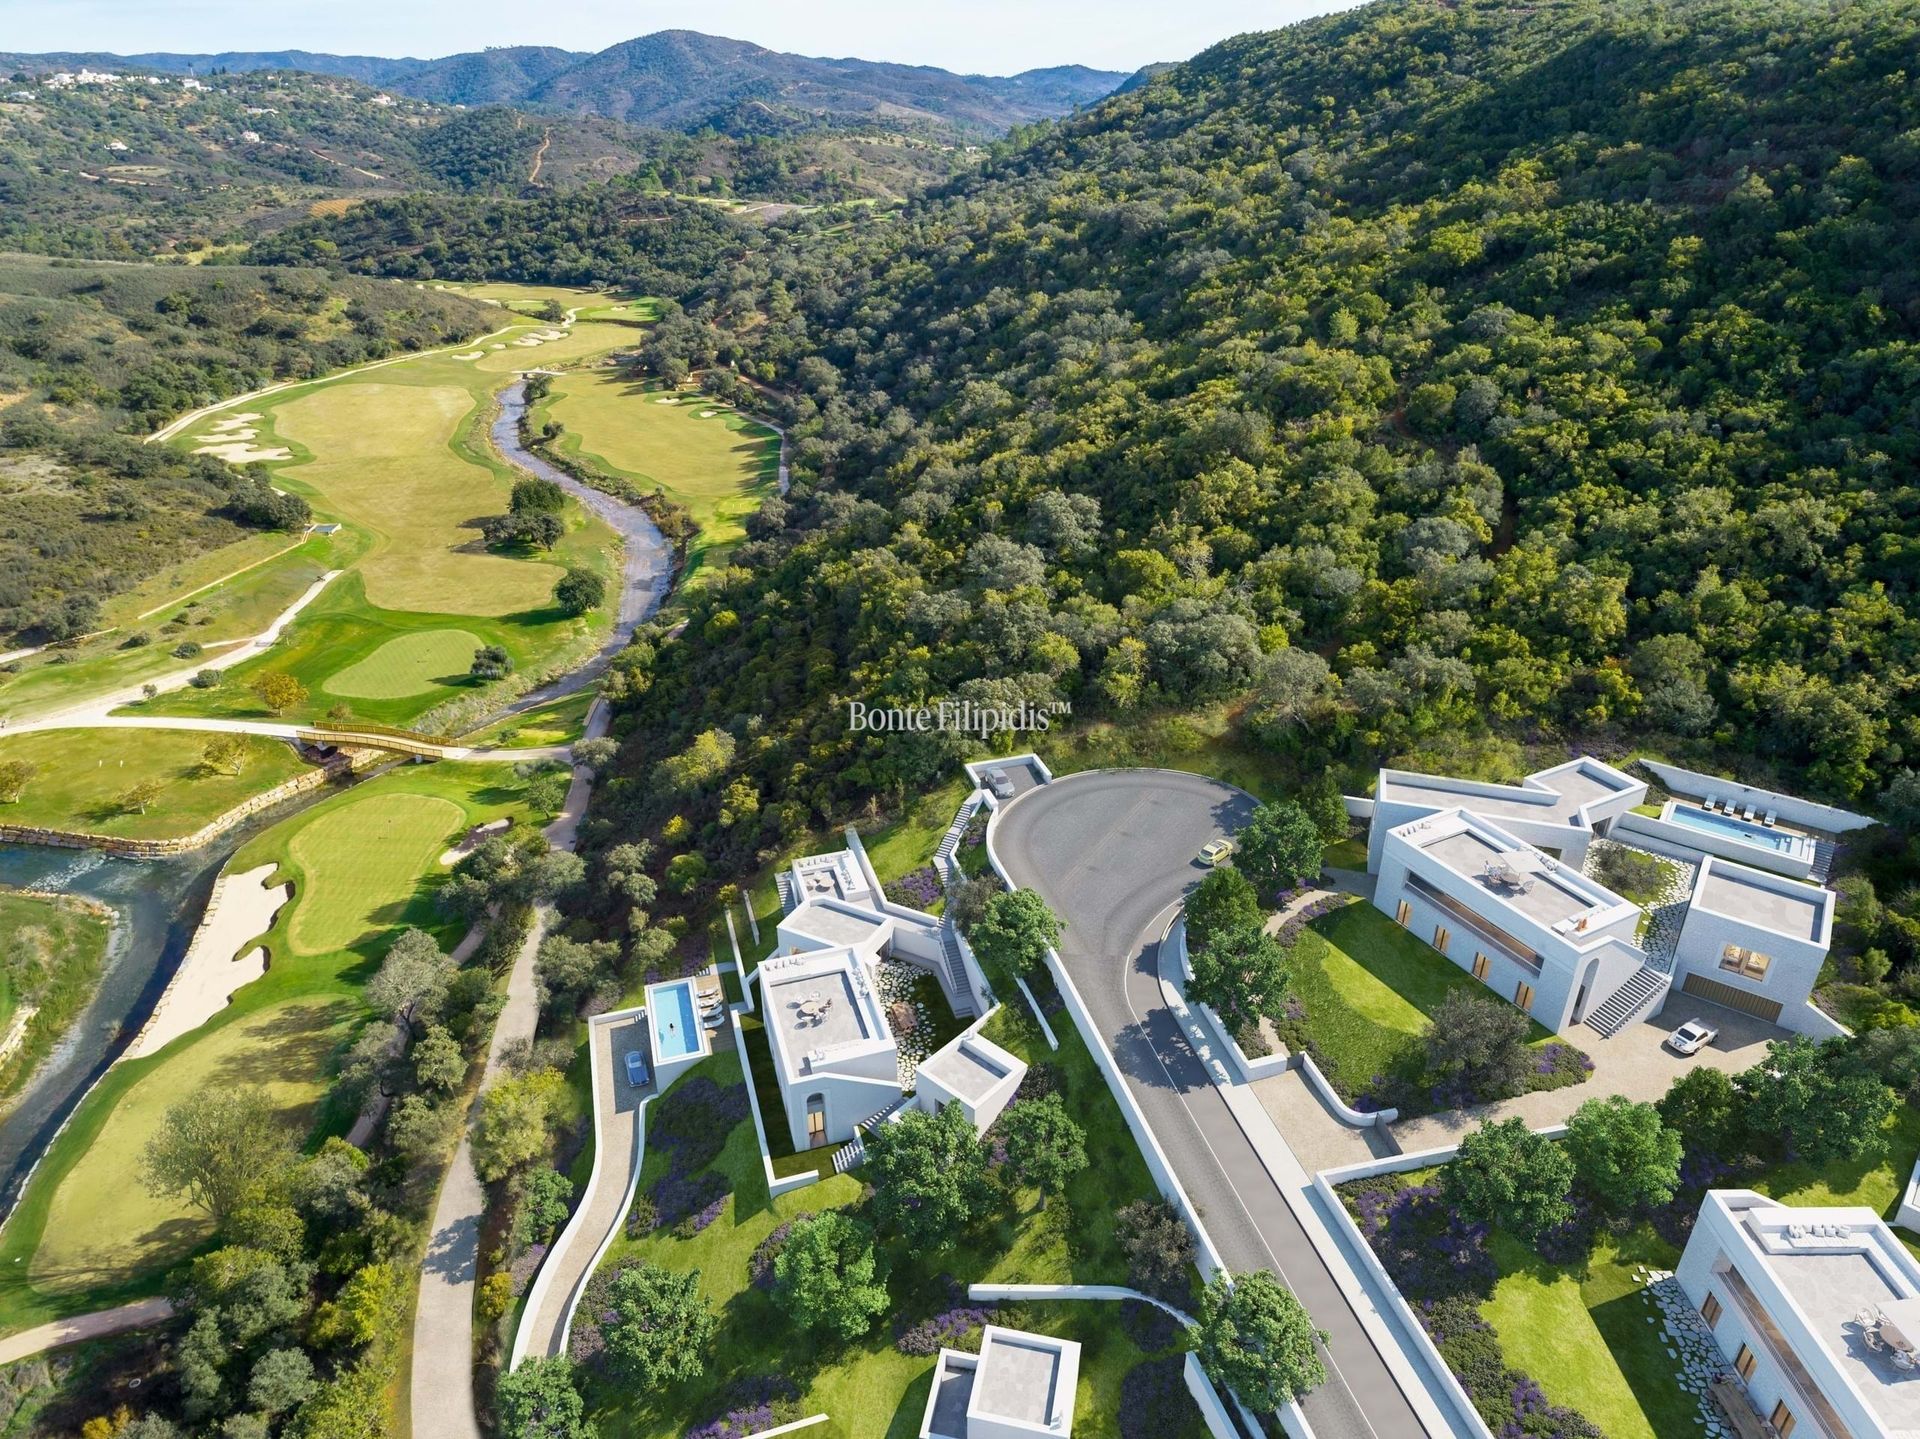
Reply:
x=1154 y=1399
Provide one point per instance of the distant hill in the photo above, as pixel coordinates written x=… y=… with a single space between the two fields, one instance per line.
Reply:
x=675 y=79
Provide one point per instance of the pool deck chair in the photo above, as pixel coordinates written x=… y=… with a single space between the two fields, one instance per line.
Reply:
x=1769 y=819
x=1710 y=803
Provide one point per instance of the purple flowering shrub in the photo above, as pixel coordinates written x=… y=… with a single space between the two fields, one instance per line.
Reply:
x=760 y=1264
x=1430 y=1251
x=1154 y=1400
x=1511 y=1402
x=917 y=889
x=957 y=1325
x=1149 y=1326
x=680 y=1200
x=585 y=1341
x=690 y=1126
x=760 y=1402
x=1559 y=1064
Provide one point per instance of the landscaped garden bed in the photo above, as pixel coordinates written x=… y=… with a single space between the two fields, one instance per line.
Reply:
x=1361 y=996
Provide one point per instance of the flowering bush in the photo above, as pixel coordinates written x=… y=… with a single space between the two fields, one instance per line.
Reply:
x=1149 y=1326
x=754 y=1404
x=1154 y=1399
x=760 y=1264
x=917 y=889
x=1429 y=1249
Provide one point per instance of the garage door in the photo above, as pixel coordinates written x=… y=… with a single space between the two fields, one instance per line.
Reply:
x=1704 y=988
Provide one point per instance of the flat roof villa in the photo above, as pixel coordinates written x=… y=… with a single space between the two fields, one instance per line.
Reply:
x=835 y=1055
x=1018 y=1385
x=1493 y=876
x=1816 y=1312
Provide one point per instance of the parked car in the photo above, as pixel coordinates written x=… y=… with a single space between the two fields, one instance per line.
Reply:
x=1214 y=851
x=636 y=1068
x=1001 y=786
x=1692 y=1037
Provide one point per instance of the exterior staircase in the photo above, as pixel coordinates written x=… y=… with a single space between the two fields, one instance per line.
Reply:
x=853 y=1153
x=1629 y=1001
x=959 y=991
x=943 y=857
x=783 y=880
x=1826 y=854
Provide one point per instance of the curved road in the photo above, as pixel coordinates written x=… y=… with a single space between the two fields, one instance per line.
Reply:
x=1111 y=852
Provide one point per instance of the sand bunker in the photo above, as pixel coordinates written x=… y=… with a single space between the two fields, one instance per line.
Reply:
x=471 y=839
x=241 y=908
x=243 y=454
x=666 y=400
x=497 y=345
x=708 y=414
x=470 y=355
x=232 y=423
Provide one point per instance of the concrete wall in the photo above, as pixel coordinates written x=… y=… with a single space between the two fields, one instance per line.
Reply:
x=849 y=1099
x=1909 y=1215
x=1788 y=807
x=775 y=1186
x=1554 y=987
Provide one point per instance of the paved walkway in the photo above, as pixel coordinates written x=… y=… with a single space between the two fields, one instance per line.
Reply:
x=443 y=1337
x=603 y=1207
x=141 y=1314
x=1110 y=851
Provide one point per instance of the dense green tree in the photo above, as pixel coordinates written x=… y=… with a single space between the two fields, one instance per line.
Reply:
x=1505 y=1174
x=1254 y=1338
x=826 y=1276
x=1479 y=1043
x=661 y=1325
x=1045 y=1146
x=1279 y=848
x=578 y=591
x=540 y=1399
x=1224 y=900
x=929 y=1173
x=1804 y=1101
x=1241 y=974
x=1623 y=1154
x=1015 y=931
x=220 y=1149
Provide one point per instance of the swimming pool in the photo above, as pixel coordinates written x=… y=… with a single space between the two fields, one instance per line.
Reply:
x=676 y=1027
x=1736 y=829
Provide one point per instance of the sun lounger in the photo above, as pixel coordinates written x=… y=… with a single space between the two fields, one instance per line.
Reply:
x=1710 y=803
x=1747 y=814
x=1768 y=819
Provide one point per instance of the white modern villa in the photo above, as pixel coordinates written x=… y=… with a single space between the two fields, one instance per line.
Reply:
x=834 y=1049
x=1018 y=1386
x=1496 y=878
x=1816 y=1313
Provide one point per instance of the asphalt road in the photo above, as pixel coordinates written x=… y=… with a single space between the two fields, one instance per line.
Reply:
x=1111 y=852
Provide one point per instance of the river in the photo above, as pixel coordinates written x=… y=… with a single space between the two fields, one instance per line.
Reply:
x=158 y=903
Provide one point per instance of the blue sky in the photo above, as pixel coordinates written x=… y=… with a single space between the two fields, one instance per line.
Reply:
x=987 y=36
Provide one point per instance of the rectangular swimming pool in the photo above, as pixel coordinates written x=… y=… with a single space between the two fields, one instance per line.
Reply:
x=1735 y=829
x=676 y=1026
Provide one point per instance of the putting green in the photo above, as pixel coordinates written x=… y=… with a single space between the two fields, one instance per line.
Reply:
x=360 y=864
x=105 y=1226
x=408 y=665
x=383 y=459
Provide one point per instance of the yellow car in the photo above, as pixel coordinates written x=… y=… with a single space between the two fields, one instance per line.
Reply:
x=1215 y=850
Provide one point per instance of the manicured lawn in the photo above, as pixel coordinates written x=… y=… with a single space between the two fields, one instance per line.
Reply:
x=1368 y=989
x=109 y=1228
x=717 y=463
x=1347 y=854
x=1877 y=1185
x=80 y=773
x=86 y=1233
x=907 y=843
x=54 y=950
x=407 y=665
x=560 y=722
x=869 y=1388
x=1582 y=1332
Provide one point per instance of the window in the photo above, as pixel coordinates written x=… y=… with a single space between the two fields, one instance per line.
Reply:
x=1404 y=913
x=1440 y=937
x=1479 y=965
x=1523 y=995
x=1749 y=963
x=1710 y=1308
x=1781 y=1419
x=1744 y=1361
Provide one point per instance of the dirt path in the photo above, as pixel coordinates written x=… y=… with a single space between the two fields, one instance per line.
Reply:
x=442 y=1397
x=141 y=1314
x=540 y=155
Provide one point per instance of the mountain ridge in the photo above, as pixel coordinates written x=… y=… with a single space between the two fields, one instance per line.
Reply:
x=671 y=79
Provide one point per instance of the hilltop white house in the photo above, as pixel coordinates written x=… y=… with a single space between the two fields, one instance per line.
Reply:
x=1816 y=1313
x=835 y=1053
x=1019 y=1386
x=1494 y=877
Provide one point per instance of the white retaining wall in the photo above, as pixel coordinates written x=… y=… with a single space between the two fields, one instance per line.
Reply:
x=1909 y=1216
x=1791 y=808
x=1329 y=1096
x=1245 y=1070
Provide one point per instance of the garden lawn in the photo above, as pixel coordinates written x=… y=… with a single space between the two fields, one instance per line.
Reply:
x=908 y=843
x=1877 y=1185
x=1581 y=1331
x=55 y=948
x=869 y=1388
x=720 y=466
x=86 y=1233
x=79 y=773
x=1369 y=989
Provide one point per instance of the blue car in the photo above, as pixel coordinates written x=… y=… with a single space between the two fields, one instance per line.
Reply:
x=636 y=1068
